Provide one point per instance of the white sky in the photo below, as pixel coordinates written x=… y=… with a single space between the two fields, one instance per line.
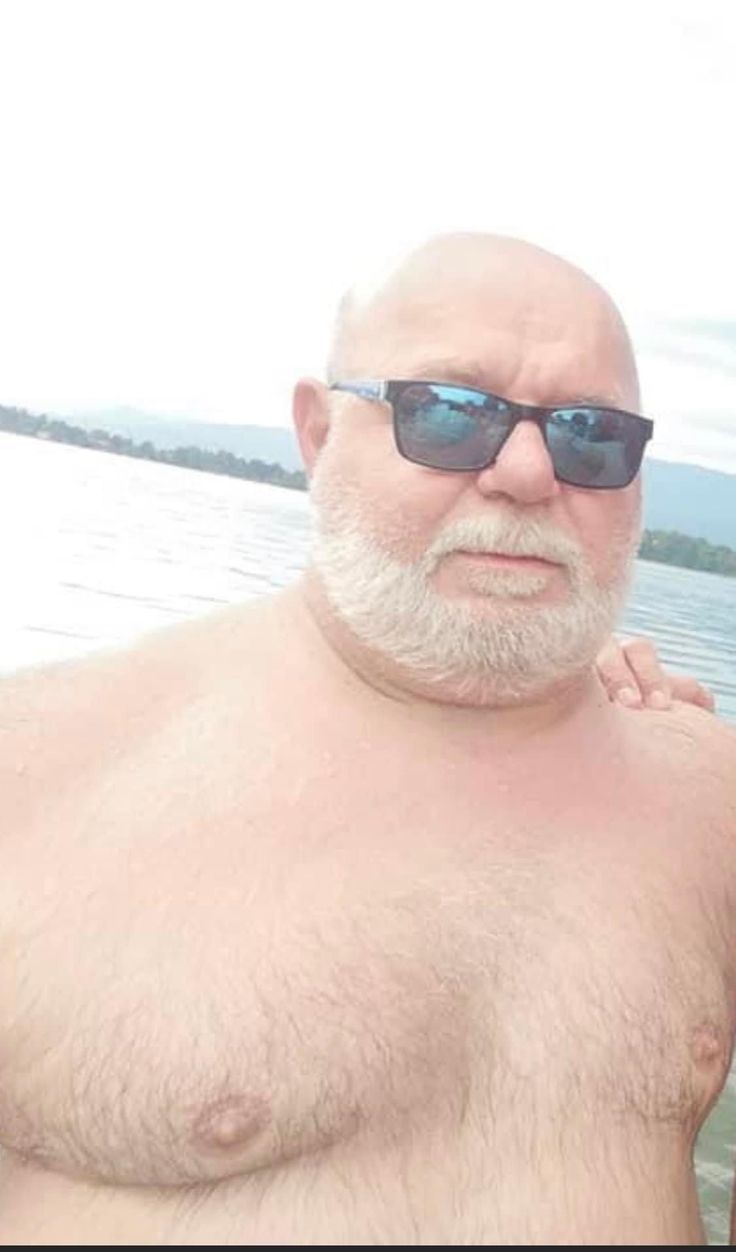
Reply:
x=186 y=187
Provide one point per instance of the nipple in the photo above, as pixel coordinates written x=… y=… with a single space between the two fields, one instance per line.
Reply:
x=706 y=1045
x=230 y=1122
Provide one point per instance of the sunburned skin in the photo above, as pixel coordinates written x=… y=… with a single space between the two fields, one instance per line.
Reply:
x=295 y=949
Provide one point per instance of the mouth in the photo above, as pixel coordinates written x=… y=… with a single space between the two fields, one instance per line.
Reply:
x=503 y=560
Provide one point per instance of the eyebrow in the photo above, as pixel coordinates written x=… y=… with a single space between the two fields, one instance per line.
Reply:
x=472 y=376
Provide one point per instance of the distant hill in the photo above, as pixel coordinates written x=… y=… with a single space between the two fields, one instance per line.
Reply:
x=692 y=500
x=679 y=497
x=263 y=443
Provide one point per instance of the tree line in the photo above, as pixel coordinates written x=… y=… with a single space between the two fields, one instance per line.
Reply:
x=672 y=548
x=667 y=546
x=22 y=423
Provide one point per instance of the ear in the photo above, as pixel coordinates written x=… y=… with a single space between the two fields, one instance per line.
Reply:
x=310 y=411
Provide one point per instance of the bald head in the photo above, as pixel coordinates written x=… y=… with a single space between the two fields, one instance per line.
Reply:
x=394 y=534
x=489 y=296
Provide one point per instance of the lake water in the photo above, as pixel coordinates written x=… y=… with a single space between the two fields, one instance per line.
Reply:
x=99 y=550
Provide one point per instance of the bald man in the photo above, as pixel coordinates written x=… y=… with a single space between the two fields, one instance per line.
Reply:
x=360 y=914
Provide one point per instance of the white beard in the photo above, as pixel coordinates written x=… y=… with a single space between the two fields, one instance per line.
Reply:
x=498 y=647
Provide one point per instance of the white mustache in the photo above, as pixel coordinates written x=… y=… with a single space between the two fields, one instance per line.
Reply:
x=504 y=536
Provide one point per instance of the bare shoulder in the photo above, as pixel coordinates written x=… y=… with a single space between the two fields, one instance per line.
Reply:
x=58 y=721
x=697 y=750
x=705 y=732
x=61 y=724
x=717 y=748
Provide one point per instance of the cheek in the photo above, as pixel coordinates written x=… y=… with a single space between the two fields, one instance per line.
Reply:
x=607 y=526
x=415 y=503
x=402 y=505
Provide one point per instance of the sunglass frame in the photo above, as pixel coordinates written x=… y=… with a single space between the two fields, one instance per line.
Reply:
x=389 y=391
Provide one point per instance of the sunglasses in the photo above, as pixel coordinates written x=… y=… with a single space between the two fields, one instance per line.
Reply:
x=450 y=427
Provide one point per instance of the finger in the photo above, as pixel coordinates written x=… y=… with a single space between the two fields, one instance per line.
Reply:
x=690 y=691
x=616 y=676
x=652 y=680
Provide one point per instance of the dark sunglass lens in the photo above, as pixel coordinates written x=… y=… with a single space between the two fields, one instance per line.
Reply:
x=450 y=427
x=594 y=447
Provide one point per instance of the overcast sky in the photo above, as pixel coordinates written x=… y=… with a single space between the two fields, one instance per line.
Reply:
x=187 y=187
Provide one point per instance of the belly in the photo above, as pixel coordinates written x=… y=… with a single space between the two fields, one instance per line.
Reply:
x=465 y=1189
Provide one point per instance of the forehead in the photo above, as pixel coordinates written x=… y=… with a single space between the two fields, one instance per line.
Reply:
x=488 y=376
x=539 y=343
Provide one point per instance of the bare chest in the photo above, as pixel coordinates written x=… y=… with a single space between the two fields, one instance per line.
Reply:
x=342 y=946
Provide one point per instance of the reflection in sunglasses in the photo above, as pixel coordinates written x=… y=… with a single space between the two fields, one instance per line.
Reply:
x=443 y=423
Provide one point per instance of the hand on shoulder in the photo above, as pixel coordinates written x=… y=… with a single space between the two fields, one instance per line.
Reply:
x=633 y=675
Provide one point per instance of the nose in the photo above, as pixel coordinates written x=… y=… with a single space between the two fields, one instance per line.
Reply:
x=523 y=470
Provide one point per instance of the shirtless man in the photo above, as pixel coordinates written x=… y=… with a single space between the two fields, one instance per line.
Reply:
x=360 y=914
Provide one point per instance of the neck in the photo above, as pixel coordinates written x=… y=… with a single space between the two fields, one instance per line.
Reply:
x=471 y=706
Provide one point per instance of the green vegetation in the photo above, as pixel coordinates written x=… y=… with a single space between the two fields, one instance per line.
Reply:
x=667 y=546
x=22 y=423
x=672 y=548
